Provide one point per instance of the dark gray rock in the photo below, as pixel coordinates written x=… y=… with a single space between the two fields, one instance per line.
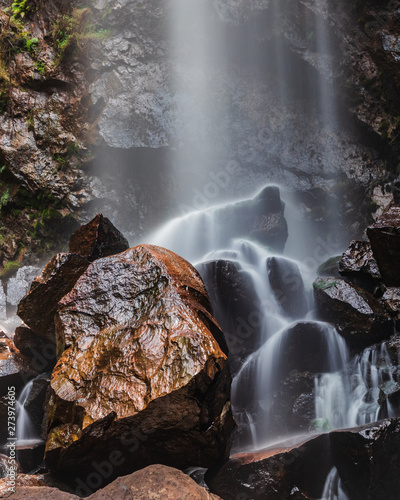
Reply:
x=19 y=286
x=59 y=276
x=288 y=287
x=359 y=266
x=384 y=236
x=294 y=403
x=368 y=460
x=275 y=472
x=236 y=307
x=42 y=354
x=330 y=267
x=357 y=315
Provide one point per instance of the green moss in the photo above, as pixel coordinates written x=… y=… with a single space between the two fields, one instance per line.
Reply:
x=10 y=268
x=322 y=284
x=72 y=34
x=14 y=39
x=4 y=198
x=321 y=424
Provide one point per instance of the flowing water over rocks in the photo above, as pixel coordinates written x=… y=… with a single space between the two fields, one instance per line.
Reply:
x=292 y=373
x=196 y=105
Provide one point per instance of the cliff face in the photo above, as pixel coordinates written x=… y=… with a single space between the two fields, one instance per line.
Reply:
x=89 y=116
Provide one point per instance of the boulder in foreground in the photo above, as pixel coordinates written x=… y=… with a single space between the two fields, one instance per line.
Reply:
x=156 y=482
x=367 y=459
x=141 y=373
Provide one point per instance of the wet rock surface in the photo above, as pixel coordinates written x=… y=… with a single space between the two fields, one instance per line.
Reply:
x=57 y=127
x=260 y=218
x=274 y=473
x=306 y=347
x=384 y=236
x=15 y=369
x=5 y=466
x=391 y=300
x=360 y=267
x=236 y=306
x=137 y=356
x=38 y=308
x=294 y=403
x=288 y=287
x=157 y=482
x=330 y=267
x=99 y=238
x=357 y=315
x=368 y=460
x=41 y=353
x=19 y=286
x=36 y=403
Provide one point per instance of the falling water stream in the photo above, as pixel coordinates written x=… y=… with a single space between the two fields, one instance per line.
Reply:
x=27 y=436
x=346 y=392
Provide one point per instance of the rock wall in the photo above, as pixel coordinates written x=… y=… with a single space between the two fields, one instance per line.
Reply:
x=91 y=112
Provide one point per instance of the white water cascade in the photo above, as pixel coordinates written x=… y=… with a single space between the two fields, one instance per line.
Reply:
x=357 y=395
x=342 y=392
x=333 y=489
x=346 y=392
x=27 y=436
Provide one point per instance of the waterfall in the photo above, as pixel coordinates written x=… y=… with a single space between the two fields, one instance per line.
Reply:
x=255 y=388
x=283 y=316
x=25 y=429
x=357 y=395
x=201 y=138
x=333 y=489
x=283 y=358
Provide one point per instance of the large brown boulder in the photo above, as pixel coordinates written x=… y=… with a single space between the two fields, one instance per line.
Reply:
x=156 y=482
x=384 y=236
x=99 y=238
x=357 y=315
x=37 y=309
x=141 y=373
